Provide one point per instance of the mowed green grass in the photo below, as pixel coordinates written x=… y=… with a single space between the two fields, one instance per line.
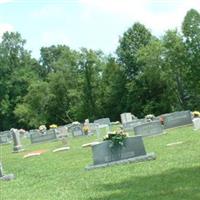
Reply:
x=174 y=175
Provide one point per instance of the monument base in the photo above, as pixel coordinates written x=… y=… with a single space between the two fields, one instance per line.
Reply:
x=7 y=177
x=17 y=150
x=147 y=157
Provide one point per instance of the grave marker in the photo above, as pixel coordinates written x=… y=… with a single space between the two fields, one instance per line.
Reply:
x=149 y=129
x=133 y=150
x=16 y=141
x=177 y=119
x=196 y=123
x=39 y=138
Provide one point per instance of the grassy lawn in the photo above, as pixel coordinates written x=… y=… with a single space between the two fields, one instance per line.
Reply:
x=174 y=175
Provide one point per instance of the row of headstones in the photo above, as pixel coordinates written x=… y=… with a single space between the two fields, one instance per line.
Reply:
x=53 y=134
x=171 y=120
x=133 y=149
x=74 y=129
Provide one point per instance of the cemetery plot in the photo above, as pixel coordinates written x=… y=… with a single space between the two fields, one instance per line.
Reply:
x=177 y=119
x=149 y=129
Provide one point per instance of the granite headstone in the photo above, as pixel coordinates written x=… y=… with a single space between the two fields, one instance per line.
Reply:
x=177 y=119
x=47 y=136
x=17 y=147
x=149 y=128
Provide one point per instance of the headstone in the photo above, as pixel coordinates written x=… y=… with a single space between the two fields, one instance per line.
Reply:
x=77 y=131
x=177 y=119
x=102 y=121
x=62 y=131
x=16 y=141
x=129 y=126
x=132 y=150
x=196 y=123
x=39 y=138
x=7 y=177
x=126 y=117
x=5 y=137
x=1 y=170
x=149 y=128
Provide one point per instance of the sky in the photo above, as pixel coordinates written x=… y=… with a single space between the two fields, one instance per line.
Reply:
x=95 y=24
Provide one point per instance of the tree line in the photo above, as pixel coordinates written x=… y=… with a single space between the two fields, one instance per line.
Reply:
x=146 y=75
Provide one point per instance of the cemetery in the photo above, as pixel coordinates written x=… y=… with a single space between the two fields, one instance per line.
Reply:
x=65 y=170
x=90 y=111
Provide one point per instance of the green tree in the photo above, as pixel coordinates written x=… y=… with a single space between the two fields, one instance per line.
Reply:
x=155 y=94
x=133 y=39
x=176 y=68
x=91 y=65
x=18 y=70
x=113 y=91
x=191 y=32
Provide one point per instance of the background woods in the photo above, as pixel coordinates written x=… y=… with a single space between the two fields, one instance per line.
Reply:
x=147 y=75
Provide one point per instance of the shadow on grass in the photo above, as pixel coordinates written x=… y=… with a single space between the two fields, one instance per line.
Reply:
x=174 y=184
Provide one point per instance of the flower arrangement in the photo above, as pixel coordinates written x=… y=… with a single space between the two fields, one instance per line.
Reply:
x=116 y=138
x=149 y=117
x=53 y=126
x=196 y=114
x=85 y=129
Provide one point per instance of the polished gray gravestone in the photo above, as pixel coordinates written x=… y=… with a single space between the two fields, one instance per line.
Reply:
x=5 y=137
x=49 y=135
x=177 y=119
x=17 y=147
x=7 y=177
x=149 y=129
x=129 y=126
x=102 y=121
x=133 y=150
x=77 y=131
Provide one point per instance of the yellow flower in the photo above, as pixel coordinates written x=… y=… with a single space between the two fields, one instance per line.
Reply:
x=196 y=114
x=53 y=126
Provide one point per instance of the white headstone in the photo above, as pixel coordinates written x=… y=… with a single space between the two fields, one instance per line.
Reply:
x=126 y=117
x=196 y=123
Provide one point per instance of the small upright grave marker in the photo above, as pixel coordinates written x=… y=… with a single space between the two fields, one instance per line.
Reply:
x=17 y=147
x=126 y=117
x=196 y=123
x=5 y=137
x=7 y=177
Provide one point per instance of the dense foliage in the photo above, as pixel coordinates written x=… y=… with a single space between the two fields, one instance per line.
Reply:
x=147 y=75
